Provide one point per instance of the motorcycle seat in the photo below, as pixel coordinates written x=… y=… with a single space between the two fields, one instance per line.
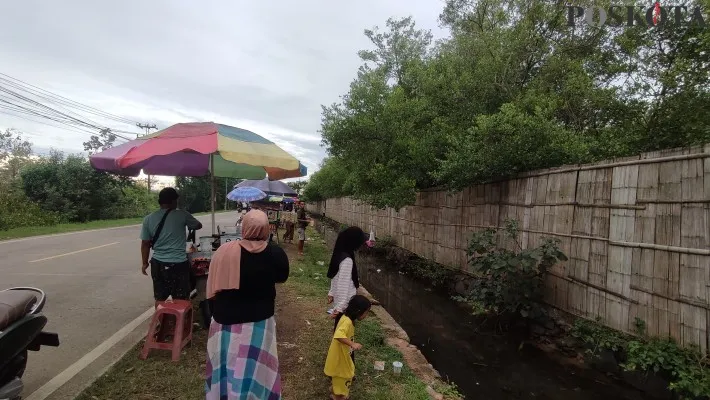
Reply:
x=14 y=304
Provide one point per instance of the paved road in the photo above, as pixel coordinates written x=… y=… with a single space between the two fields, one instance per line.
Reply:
x=94 y=288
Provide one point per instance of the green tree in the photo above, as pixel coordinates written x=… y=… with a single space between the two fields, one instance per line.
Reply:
x=329 y=181
x=70 y=187
x=514 y=88
x=103 y=141
x=401 y=44
x=15 y=152
x=298 y=186
x=195 y=193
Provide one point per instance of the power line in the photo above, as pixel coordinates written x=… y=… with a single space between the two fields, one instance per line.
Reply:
x=63 y=100
x=18 y=109
x=77 y=130
x=147 y=128
x=17 y=97
x=21 y=88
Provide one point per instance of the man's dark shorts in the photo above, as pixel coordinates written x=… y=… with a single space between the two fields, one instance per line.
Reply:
x=170 y=279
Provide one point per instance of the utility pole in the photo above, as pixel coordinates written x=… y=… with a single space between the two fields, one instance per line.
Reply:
x=147 y=128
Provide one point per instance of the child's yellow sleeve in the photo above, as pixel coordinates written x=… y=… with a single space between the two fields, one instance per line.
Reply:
x=343 y=330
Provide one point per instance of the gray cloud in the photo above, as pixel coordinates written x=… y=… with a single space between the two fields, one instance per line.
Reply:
x=264 y=66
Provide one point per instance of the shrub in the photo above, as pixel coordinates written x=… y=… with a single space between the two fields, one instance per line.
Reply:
x=510 y=281
x=17 y=211
x=686 y=369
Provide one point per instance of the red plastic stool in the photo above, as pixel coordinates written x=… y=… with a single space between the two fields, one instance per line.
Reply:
x=181 y=330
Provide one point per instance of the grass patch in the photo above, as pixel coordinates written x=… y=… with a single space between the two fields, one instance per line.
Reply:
x=308 y=280
x=17 y=233
x=304 y=334
x=155 y=378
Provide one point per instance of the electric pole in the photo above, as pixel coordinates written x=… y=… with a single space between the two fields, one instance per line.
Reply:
x=147 y=128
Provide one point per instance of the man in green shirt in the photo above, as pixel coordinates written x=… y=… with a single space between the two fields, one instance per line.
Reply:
x=169 y=267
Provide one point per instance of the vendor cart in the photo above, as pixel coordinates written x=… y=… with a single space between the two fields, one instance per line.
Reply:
x=273 y=212
x=199 y=255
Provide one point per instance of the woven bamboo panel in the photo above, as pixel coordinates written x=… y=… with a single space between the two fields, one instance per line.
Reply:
x=636 y=231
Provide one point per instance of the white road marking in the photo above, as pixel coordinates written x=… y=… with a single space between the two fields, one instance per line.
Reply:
x=65 y=234
x=79 y=232
x=65 y=274
x=66 y=375
x=73 y=252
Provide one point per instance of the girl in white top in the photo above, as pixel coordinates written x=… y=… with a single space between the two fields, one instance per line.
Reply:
x=342 y=269
x=342 y=287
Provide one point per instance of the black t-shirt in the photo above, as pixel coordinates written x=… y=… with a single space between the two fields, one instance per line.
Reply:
x=301 y=215
x=254 y=300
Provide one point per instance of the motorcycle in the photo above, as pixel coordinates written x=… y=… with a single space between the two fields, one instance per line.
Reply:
x=21 y=324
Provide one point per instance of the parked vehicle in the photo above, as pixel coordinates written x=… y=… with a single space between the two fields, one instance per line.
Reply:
x=21 y=330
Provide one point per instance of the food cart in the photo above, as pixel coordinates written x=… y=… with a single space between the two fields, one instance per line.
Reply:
x=199 y=255
x=273 y=212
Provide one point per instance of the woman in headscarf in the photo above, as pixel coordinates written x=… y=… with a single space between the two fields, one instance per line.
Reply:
x=342 y=270
x=241 y=286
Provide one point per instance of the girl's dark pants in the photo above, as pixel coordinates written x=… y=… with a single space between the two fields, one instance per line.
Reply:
x=337 y=319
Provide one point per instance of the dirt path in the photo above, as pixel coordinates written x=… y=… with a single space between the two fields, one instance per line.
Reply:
x=296 y=332
x=303 y=333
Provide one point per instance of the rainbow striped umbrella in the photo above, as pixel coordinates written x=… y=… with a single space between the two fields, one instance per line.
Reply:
x=198 y=148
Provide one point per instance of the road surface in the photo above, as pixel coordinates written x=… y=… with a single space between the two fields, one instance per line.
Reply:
x=94 y=288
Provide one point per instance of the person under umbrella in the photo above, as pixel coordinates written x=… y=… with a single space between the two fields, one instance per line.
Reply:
x=163 y=231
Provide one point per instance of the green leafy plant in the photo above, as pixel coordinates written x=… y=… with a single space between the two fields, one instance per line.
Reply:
x=476 y=307
x=510 y=281
x=435 y=274
x=385 y=241
x=686 y=369
x=448 y=389
x=598 y=337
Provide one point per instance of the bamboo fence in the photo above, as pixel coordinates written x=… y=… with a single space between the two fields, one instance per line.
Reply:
x=635 y=231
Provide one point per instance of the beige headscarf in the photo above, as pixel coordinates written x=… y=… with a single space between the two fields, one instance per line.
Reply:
x=225 y=265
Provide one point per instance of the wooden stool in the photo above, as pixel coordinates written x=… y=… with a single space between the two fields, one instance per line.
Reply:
x=181 y=330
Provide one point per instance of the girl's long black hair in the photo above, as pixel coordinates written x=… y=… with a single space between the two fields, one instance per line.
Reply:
x=347 y=242
x=357 y=306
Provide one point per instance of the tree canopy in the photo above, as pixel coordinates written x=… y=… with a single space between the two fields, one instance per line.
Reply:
x=514 y=88
x=38 y=190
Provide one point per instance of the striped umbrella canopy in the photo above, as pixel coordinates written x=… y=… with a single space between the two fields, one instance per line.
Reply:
x=246 y=194
x=198 y=148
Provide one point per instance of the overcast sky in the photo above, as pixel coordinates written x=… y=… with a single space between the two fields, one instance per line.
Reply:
x=266 y=66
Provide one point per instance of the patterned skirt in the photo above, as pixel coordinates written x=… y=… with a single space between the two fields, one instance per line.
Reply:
x=242 y=362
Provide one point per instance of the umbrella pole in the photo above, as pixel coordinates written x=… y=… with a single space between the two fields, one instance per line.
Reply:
x=213 y=196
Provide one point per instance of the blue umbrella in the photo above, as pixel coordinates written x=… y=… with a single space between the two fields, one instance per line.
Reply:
x=277 y=188
x=246 y=194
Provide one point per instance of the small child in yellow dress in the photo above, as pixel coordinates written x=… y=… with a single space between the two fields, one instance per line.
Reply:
x=339 y=366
